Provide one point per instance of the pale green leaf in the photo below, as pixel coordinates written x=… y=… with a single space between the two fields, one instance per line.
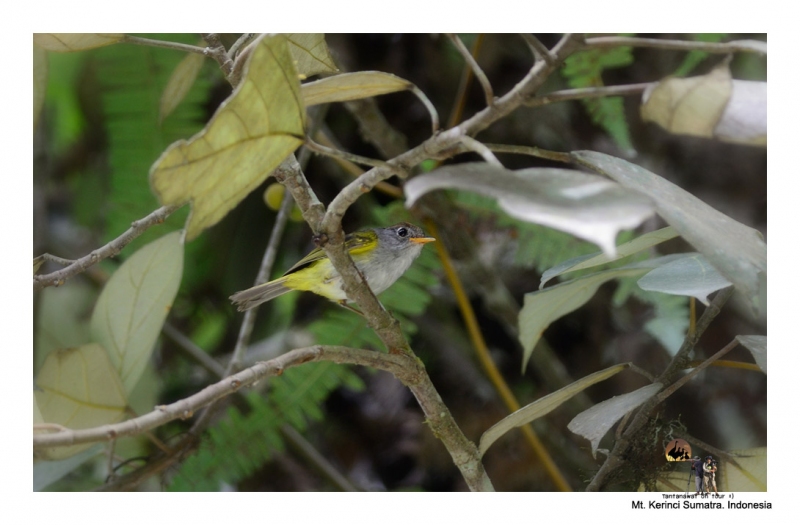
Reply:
x=310 y=53
x=692 y=276
x=39 y=86
x=596 y=421
x=46 y=473
x=66 y=42
x=78 y=388
x=62 y=319
x=757 y=344
x=179 y=83
x=545 y=306
x=249 y=135
x=737 y=251
x=544 y=406
x=135 y=302
x=582 y=262
x=352 y=86
x=590 y=207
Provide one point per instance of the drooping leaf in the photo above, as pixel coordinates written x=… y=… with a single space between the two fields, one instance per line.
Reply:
x=135 y=302
x=352 y=86
x=39 y=81
x=179 y=84
x=310 y=53
x=643 y=242
x=78 y=388
x=693 y=276
x=544 y=406
x=757 y=344
x=586 y=206
x=66 y=42
x=737 y=251
x=249 y=135
x=596 y=421
x=543 y=307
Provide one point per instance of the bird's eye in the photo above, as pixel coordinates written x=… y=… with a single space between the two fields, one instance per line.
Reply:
x=402 y=232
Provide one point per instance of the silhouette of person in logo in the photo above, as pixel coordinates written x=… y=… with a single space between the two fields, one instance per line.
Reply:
x=699 y=473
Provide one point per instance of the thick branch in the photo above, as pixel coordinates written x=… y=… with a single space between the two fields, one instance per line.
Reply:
x=748 y=46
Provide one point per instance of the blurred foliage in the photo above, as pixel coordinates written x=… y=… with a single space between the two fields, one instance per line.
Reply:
x=99 y=134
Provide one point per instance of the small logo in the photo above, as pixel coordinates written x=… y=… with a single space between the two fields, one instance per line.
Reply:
x=678 y=450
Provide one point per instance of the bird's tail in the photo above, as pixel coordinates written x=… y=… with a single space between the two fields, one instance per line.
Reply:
x=262 y=293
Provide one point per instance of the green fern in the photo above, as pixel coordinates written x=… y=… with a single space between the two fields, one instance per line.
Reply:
x=132 y=79
x=585 y=69
x=241 y=443
x=694 y=58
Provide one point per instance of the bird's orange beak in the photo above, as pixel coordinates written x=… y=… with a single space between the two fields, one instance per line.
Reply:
x=422 y=240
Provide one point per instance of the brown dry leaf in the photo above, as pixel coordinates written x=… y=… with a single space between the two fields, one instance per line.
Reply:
x=66 y=42
x=179 y=83
x=249 y=135
x=310 y=54
x=79 y=388
x=352 y=86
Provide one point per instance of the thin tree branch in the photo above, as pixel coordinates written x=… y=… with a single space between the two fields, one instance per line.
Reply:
x=357 y=159
x=177 y=46
x=217 y=51
x=111 y=249
x=533 y=151
x=540 y=50
x=664 y=394
x=242 y=41
x=747 y=46
x=197 y=353
x=481 y=149
x=591 y=92
x=473 y=64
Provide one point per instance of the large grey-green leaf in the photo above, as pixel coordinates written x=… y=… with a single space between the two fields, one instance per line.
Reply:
x=736 y=250
x=543 y=406
x=310 y=53
x=78 y=388
x=48 y=472
x=584 y=205
x=596 y=421
x=591 y=260
x=135 y=302
x=545 y=306
x=757 y=344
x=692 y=275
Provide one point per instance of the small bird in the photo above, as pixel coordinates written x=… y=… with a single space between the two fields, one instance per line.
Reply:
x=382 y=255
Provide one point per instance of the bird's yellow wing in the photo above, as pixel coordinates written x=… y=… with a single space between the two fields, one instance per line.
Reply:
x=354 y=243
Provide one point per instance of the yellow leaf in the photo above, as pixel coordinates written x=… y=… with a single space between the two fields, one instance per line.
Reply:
x=352 y=86
x=250 y=134
x=79 y=388
x=66 y=42
x=310 y=53
x=179 y=83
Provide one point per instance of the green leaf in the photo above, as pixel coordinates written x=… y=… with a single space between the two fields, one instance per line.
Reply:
x=78 y=388
x=543 y=307
x=693 y=58
x=757 y=344
x=692 y=275
x=179 y=83
x=591 y=260
x=352 y=86
x=135 y=302
x=249 y=135
x=62 y=320
x=737 y=251
x=46 y=473
x=67 y=42
x=544 y=406
x=596 y=421
x=586 y=206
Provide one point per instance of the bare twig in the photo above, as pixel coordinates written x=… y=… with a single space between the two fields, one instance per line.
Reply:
x=664 y=394
x=193 y=350
x=473 y=64
x=111 y=249
x=177 y=46
x=584 y=93
x=217 y=51
x=540 y=51
x=242 y=41
x=481 y=149
x=748 y=46
x=533 y=151
x=357 y=159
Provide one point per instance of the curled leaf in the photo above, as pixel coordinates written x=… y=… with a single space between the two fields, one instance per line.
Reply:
x=249 y=135
x=590 y=207
x=692 y=275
